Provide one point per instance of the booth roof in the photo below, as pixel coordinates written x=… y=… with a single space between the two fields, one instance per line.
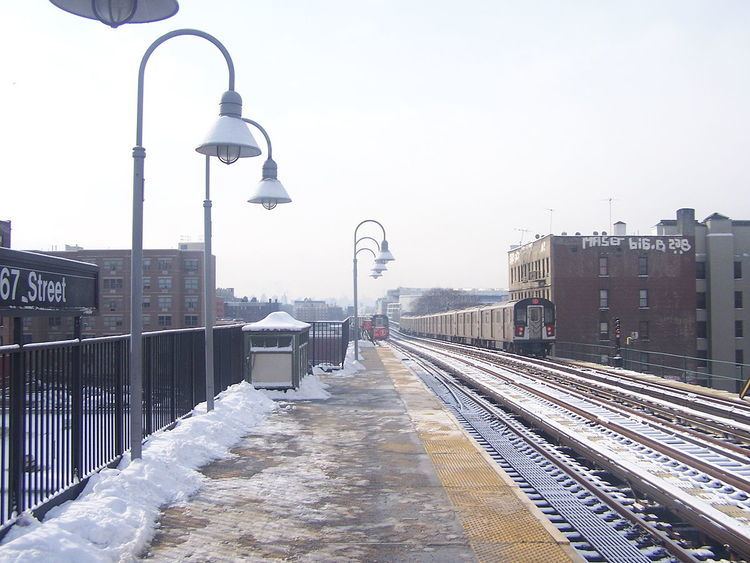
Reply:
x=279 y=321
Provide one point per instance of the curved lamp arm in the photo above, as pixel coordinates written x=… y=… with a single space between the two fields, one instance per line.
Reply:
x=360 y=239
x=147 y=55
x=369 y=250
x=368 y=221
x=265 y=134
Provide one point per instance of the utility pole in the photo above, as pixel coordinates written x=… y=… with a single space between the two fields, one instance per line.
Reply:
x=550 y=218
x=610 y=199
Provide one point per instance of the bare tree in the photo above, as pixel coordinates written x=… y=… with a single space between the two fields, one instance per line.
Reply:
x=438 y=300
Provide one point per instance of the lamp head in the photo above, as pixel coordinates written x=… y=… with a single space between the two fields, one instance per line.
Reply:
x=379 y=267
x=230 y=139
x=270 y=192
x=117 y=12
x=385 y=254
x=375 y=275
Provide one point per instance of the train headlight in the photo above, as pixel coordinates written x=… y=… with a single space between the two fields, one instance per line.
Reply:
x=550 y=330
x=520 y=330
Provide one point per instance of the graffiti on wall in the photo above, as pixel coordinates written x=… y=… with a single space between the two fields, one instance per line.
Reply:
x=674 y=245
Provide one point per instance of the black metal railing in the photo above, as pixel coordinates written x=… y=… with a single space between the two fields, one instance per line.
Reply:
x=65 y=406
x=717 y=374
x=328 y=342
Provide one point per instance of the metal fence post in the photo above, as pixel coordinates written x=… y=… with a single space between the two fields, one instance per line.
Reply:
x=76 y=427
x=17 y=425
x=119 y=352
x=149 y=344
x=175 y=367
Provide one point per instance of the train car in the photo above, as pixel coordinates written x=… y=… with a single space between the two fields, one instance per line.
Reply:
x=530 y=329
x=523 y=327
x=379 y=327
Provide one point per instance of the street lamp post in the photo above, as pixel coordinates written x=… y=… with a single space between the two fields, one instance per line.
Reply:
x=384 y=255
x=269 y=193
x=229 y=140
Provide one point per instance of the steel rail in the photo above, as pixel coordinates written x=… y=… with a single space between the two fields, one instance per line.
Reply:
x=657 y=535
x=709 y=424
x=738 y=542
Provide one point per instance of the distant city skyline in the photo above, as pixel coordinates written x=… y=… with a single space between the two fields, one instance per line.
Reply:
x=459 y=127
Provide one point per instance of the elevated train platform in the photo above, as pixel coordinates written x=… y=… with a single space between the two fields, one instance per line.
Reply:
x=378 y=472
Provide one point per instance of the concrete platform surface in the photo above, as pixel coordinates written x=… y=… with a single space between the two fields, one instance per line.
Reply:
x=378 y=472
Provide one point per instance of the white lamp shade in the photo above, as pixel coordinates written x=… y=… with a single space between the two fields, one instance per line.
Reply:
x=384 y=255
x=269 y=193
x=117 y=12
x=379 y=267
x=229 y=139
x=375 y=275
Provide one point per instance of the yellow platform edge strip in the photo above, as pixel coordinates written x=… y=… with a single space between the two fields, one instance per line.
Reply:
x=500 y=523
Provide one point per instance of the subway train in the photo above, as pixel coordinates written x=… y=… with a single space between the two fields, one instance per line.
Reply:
x=522 y=327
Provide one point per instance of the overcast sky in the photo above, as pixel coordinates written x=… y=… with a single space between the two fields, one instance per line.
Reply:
x=456 y=124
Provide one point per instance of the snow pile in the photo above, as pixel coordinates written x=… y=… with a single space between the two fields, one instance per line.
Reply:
x=309 y=388
x=115 y=516
x=278 y=320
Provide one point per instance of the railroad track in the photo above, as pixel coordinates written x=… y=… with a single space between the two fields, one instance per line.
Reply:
x=702 y=480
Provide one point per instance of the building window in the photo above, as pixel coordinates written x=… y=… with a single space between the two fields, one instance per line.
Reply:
x=191 y=264
x=114 y=304
x=738 y=329
x=739 y=357
x=701 y=330
x=604 y=330
x=112 y=323
x=146 y=264
x=643 y=330
x=165 y=283
x=737 y=270
x=603 y=266
x=165 y=302
x=146 y=320
x=738 y=300
x=191 y=303
x=191 y=320
x=191 y=283
x=700 y=300
x=146 y=283
x=165 y=320
x=700 y=270
x=643 y=265
x=163 y=263
x=112 y=283
x=113 y=264
x=643 y=298
x=147 y=302
x=603 y=298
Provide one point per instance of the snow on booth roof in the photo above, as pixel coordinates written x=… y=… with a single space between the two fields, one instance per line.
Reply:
x=278 y=321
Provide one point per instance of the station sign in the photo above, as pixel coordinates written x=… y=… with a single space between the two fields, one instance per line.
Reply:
x=32 y=283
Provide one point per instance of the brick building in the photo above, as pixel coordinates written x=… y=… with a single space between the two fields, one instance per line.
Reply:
x=647 y=282
x=172 y=293
x=722 y=251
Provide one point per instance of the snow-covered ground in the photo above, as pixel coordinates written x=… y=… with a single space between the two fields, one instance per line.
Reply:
x=114 y=519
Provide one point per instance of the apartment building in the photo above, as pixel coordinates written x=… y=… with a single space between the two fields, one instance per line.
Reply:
x=172 y=293
x=722 y=253
x=646 y=283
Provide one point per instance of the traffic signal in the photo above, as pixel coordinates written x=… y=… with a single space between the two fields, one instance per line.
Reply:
x=618 y=333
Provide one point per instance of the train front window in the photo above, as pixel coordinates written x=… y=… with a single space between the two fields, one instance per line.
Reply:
x=549 y=314
x=535 y=314
x=521 y=315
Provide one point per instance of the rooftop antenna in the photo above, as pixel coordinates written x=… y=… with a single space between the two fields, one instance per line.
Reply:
x=610 y=199
x=523 y=232
x=550 y=218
